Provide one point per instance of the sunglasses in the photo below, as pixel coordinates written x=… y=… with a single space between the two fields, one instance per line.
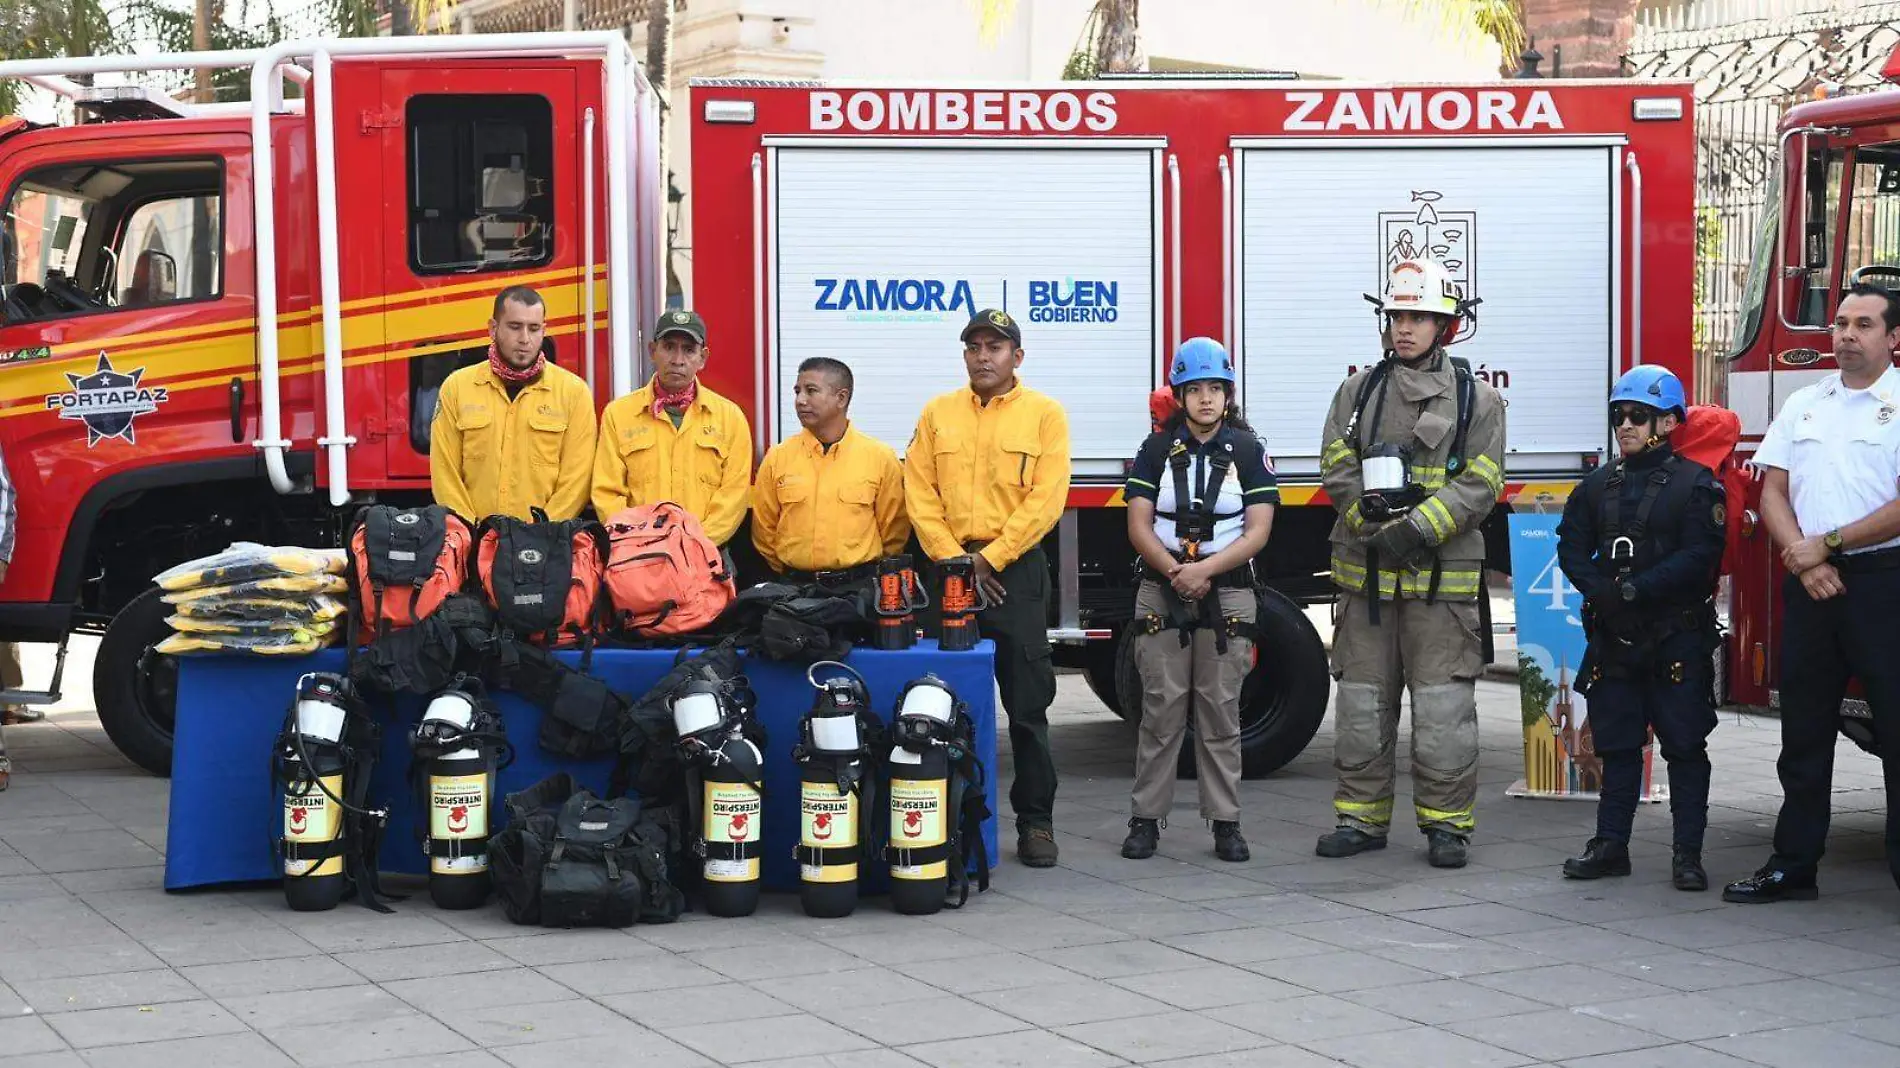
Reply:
x=1633 y=414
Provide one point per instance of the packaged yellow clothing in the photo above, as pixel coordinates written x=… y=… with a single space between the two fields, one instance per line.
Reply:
x=282 y=643
x=252 y=627
x=247 y=561
x=290 y=611
x=270 y=587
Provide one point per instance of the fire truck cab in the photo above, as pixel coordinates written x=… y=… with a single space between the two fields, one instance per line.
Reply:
x=1833 y=220
x=225 y=322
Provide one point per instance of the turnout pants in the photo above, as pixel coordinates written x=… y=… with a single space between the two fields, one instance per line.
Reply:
x=1197 y=678
x=1027 y=679
x=1434 y=650
x=1823 y=643
x=1648 y=696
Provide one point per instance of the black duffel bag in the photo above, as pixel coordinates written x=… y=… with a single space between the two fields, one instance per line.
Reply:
x=570 y=859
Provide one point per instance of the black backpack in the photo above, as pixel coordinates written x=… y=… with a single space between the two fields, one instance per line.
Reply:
x=570 y=859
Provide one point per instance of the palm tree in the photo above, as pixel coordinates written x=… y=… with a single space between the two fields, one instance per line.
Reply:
x=1500 y=20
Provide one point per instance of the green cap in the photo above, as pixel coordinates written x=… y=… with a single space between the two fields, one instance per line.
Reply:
x=994 y=319
x=680 y=321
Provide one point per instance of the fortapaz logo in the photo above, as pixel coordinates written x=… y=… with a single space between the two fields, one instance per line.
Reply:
x=895 y=299
x=1074 y=301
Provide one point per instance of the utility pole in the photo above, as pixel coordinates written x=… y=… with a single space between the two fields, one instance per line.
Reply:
x=201 y=41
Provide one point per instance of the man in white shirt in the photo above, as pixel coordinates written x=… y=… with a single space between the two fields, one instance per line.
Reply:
x=1831 y=501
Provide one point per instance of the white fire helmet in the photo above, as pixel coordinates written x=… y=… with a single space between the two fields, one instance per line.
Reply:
x=1420 y=285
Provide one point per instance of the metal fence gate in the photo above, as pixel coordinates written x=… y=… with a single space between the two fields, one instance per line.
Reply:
x=1751 y=61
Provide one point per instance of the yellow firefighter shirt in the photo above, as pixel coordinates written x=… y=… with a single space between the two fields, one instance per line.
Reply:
x=818 y=509
x=995 y=473
x=489 y=455
x=704 y=466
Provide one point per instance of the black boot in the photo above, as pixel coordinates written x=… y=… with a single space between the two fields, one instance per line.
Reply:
x=1228 y=844
x=1601 y=857
x=1445 y=849
x=1348 y=842
x=1686 y=870
x=1143 y=837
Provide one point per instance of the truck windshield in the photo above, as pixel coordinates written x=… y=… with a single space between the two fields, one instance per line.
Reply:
x=81 y=238
x=1760 y=263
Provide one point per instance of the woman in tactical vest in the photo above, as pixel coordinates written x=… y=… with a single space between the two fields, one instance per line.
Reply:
x=1200 y=497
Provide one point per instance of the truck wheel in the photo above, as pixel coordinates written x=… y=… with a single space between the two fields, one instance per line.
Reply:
x=1283 y=701
x=137 y=689
x=1103 y=663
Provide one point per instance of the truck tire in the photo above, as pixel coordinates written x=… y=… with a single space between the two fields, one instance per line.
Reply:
x=1100 y=668
x=1283 y=701
x=136 y=689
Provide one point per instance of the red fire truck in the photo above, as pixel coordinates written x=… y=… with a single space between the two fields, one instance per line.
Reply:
x=1833 y=220
x=1115 y=218
x=368 y=201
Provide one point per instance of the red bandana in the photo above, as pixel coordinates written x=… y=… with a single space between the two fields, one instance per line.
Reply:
x=662 y=400
x=507 y=372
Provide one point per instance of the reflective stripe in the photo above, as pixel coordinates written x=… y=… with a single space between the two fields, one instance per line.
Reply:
x=1486 y=468
x=1377 y=813
x=1354 y=521
x=1463 y=821
x=1335 y=452
x=1431 y=478
x=1139 y=482
x=1352 y=578
x=1438 y=516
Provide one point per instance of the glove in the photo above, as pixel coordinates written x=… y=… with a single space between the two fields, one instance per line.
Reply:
x=1397 y=540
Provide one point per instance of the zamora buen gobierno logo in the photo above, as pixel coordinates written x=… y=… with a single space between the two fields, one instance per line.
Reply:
x=1068 y=300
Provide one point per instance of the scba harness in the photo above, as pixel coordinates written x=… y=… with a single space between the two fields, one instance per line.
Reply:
x=1195 y=516
x=1394 y=502
x=1625 y=638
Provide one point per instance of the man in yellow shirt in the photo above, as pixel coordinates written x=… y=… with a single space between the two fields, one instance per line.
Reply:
x=828 y=502
x=987 y=473
x=674 y=439
x=514 y=432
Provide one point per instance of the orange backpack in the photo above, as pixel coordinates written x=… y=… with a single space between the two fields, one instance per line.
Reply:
x=542 y=578
x=404 y=562
x=664 y=574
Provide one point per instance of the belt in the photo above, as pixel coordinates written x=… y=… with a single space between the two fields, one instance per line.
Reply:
x=1871 y=560
x=834 y=577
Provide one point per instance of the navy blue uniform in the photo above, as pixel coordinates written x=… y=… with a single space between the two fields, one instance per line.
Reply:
x=1648 y=664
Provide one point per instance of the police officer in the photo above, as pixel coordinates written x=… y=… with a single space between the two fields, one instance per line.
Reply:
x=514 y=432
x=986 y=477
x=1201 y=497
x=1830 y=500
x=828 y=502
x=1642 y=540
x=1412 y=457
x=674 y=439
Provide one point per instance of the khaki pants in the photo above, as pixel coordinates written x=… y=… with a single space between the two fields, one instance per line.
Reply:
x=1173 y=679
x=1435 y=651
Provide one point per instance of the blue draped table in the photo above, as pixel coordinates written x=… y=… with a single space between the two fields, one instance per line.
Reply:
x=225 y=810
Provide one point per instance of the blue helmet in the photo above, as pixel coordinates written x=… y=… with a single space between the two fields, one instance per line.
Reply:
x=1655 y=386
x=1199 y=359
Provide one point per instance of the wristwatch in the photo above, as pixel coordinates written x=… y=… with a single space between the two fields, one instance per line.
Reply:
x=1832 y=539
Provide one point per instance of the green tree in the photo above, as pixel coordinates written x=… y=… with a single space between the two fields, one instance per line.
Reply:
x=50 y=29
x=1534 y=691
x=1500 y=20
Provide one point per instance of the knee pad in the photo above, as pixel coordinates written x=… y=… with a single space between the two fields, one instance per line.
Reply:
x=1445 y=726
x=1359 y=717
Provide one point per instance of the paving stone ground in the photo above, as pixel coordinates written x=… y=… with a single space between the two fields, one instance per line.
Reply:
x=1287 y=962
